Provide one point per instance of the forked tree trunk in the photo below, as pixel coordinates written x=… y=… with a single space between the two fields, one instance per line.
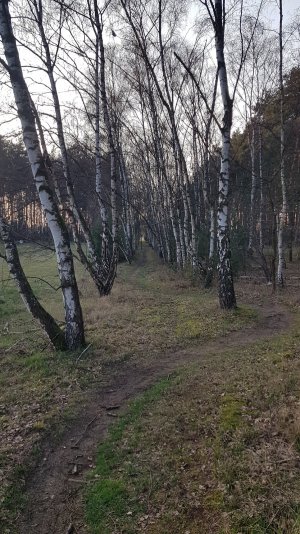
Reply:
x=112 y=270
x=226 y=287
x=32 y=304
x=92 y=262
x=74 y=332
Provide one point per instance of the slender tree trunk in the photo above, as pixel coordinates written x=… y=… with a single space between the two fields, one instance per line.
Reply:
x=99 y=184
x=193 y=228
x=212 y=240
x=263 y=260
x=181 y=237
x=92 y=262
x=283 y=211
x=253 y=192
x=75 y=211
x=212 y=234
x=274 y=248
x=185 y=217
x=126 y=206
x=226 y=287
x=111 y=143
x=291 y=234
x=114 y=159
x=32 y=304
x=73 y=315
x=262 y=195
x=179 y=259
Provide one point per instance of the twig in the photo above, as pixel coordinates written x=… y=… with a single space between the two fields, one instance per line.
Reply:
x=36 y=278
x=83 y=352
x=13 y=345
x=77 y=480
x=23 y=333
x=114 y=407
x=287 y=460
x=75 y=446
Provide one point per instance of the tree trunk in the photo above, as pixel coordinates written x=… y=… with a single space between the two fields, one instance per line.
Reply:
x=74 y=332
x=226 y=288
x=92 y=262
x=212 y=238
x=113 y=153
x=291 y=234
x=32 y=304
x=253 y=192
x=283 y=211
x=262 y=195
x=99 y=184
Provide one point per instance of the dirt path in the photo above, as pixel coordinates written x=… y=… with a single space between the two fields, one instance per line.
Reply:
x=55 y=490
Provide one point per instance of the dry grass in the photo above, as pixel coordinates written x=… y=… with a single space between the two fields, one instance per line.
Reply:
x=150 y=310
x=153 y=309
x=217 y=452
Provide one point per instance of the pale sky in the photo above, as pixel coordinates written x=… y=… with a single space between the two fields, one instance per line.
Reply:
x=289 y=7
x=270 y=16
x=291 y=4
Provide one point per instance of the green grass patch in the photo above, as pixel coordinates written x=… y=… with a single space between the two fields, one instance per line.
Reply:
x=230 y=413
x=111 y=501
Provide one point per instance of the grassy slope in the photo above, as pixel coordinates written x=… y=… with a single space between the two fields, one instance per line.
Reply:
x=151 y=310
x=214 y=450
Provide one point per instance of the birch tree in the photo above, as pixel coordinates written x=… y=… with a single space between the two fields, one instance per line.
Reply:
x=226 y=288
x=74 y=331
x=101 y=267
x=283 y=211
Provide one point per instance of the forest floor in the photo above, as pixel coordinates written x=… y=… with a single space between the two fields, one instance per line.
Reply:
x=212 y=446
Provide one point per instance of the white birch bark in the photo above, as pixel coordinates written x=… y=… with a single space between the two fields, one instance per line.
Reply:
x=283 y=211
x=111 y=142
x=73 y=315
x=99 y=192
x=179 y=259
x=99 y=184
x=211 y=254
x=212 y=234
x=193 y=230
x=185 y=218
x=181 y=238
x=226 y=287
x=126 y=205
x=75 y=211
x=92 y=261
